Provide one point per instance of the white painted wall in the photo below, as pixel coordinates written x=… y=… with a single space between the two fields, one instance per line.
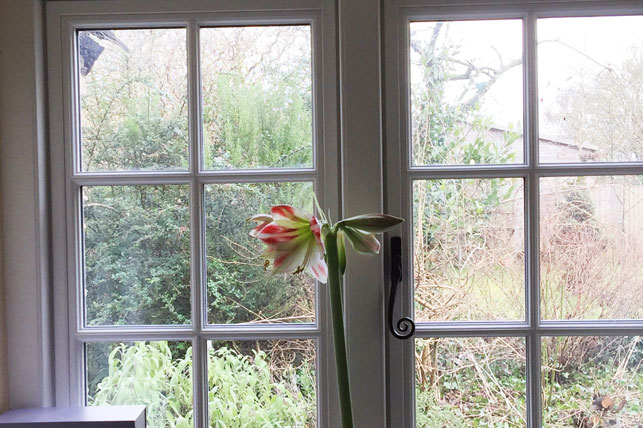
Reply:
x=23 y=204
x=4 y=391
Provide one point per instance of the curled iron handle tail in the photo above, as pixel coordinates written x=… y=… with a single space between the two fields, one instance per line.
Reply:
x=404 y=327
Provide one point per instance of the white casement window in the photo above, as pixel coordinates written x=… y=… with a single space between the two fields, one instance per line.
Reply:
x=514 y=152
x=174 y=129
x=506 y=133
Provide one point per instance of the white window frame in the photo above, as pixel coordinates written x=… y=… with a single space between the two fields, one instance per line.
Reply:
x=63 y=19
x=398 y=15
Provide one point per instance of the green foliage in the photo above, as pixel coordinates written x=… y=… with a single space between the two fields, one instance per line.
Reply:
x=244 y=391
x=137 y=249
x=239 y=289
x=258 y=114
x=479 y=382
x=147 y=374
x=141 y=143
x=447 y=131
x=452 y=218
x=611 y=369
x=430 y=414
x=253 y=124
x=133 y=116
x=137 y=238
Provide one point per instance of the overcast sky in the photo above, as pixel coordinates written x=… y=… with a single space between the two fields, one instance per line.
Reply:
x=604 y=40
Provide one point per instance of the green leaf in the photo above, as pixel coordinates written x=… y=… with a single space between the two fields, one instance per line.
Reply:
x=362 y=242
x=341 y=251
x=372 y=223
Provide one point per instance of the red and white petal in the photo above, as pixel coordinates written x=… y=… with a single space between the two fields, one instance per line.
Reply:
x=255 y=231
x=289 y=261
x=261 y=218
x=272 y=234
x=315 y=227
x=291 y=213
x=317 y=266
x=287 y=216
x=287 y=246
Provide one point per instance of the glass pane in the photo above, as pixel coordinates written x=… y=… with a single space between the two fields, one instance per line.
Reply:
x=240 y=290
x=591 y=237
x=470 y=382
x=592 y=382
x=466 y=92
x=137 y=254
x=262 y=384
x=133 y=99
x=257 y=97
x=468 y=240
x=154 y=374
x=589 y=89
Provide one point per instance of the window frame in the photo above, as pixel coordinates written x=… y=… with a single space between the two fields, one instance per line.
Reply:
x=63 y=20
x=377 y=117
x=398 y=14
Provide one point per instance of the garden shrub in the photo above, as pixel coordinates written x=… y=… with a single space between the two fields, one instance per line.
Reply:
x=244 y=391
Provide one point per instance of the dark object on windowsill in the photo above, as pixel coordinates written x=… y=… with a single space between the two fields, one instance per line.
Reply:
x=75 y=417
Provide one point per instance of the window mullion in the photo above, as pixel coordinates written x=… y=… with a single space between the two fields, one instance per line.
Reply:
x=532 y=214
x=131 y=180
x=199 y=350
x=257 y=176
x=591 y=328
x=359 y=53
x=151 y=334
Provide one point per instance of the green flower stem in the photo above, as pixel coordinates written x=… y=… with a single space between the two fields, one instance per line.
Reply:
x=334 y=284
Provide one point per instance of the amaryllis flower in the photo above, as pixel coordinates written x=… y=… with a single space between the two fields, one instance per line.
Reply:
x=297 y=241
x=293 y=240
